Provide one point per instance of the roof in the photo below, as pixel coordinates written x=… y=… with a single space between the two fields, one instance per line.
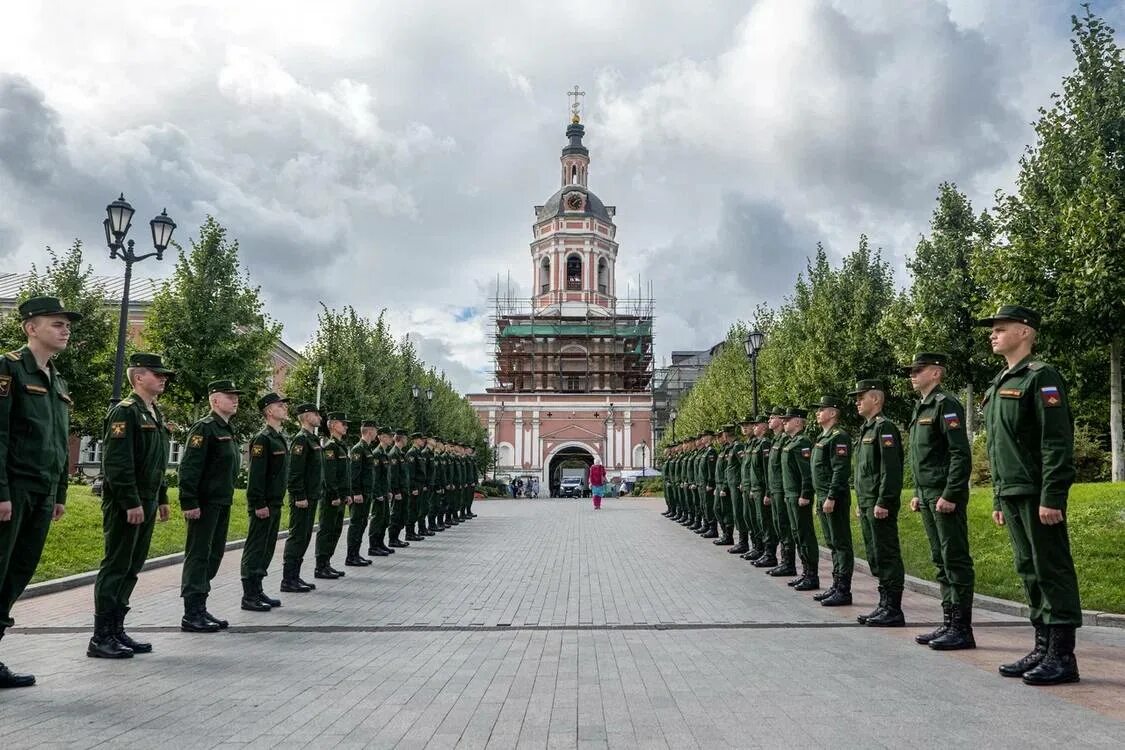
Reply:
x=141 y=290
x=592 y=206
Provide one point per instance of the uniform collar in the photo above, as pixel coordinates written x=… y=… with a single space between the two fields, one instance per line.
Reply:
x=219 y=420
x=31 y=365
x=1019 y=367
x=929 y=399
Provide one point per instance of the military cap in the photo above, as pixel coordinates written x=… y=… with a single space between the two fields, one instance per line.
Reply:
x=369 y=423
x=731 y=428
x=707 y=433
x=417 y=436
x=748 y=419
x=761 y=419
x=828 y=402
x=46 y=306
x=151 y=362
x=921 y=359
x=1016 y=313
x=863 y=386
x=305 y=407
x=794 y=411
x=384 y=430
x=777 y=411
x=400 y=432
x=223 y=386
x=271 y=398
x=337 y=416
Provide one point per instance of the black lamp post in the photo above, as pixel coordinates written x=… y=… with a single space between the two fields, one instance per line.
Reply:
x=415 y=393
x=672 y=422
x=119 y=219
x=644 y=447
x=754 y=341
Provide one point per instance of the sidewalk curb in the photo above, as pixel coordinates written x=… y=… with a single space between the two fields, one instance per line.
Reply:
x=990 y=603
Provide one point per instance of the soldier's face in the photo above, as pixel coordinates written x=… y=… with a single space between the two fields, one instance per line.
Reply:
x=225 y=403
x=367 y=433
x=384 y=440
x=337 y=428
x=925 y=377
x=759 y=429
x=1007 y=336
x=794 y=425
x=277 y=410
x=868 y=404
x=775 y=422
x=148 y=382
x=825 y=415
x=50 y=331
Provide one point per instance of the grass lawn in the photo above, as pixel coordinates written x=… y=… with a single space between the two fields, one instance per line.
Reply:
x=1095 y=513
x=75 y=542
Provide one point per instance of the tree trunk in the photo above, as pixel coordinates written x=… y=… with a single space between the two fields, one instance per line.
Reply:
x=1115 y=426
x=970 y=412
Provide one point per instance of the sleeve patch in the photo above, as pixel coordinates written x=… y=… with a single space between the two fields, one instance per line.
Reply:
x=842 y=449
x=805 y=452
x=298 y=449
x=1010 y=392
x=1051 y=396
x=888 y=440
x=5 y=385
x=196 y=441
x=952 y=421
x=117 y=429
x=258 y=451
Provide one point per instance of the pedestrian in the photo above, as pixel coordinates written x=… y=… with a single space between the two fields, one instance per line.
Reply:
x=306 y=491
x=338 y=496
x=265 y=492
x=135 y=495
x=796 y=471
x=831 y=474
x=940 y=460
x=1031 y=452
x=35 y=406
x=597 y=483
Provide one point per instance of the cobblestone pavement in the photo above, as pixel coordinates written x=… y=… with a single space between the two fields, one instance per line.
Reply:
x=543 y=624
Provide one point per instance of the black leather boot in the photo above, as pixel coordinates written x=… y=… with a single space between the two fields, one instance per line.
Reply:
x=289 y=583
x=925 y=639
x=138 y=647
x=711 y=530
x=755 y=550
x=831 y=590
x=727 y=537
x=223 y=624
x=842 y=596
x=194 y=620
x=395 y=542
x=9 y=679
x=424 y=529
x=354 y=560
x=742 y=547
x=103 y=644
x=787 y=566
x=250 y=600
x=302 y=581
x=322 y=570
x=891 y=616
x=862 y=619
x=959 y=636
x=811 y=582
x=1033 y=659
x=262 y=596
x=1059 y=666
x=768 y=559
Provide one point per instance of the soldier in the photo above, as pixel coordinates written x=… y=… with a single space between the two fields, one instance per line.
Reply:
x=398 y=487
x=775 y=495
x=34 y=458
x=363 y=485
x=665 y=467
x=306 y=490
x=432 y=475
x=338 y=495
x=724 y=505
x=758 y=459
x=380 y=507
x=749 y=534
x=941 y=460
x=134 y=497
x=686 y=480
x=878 y=489
x=831 y=473
x=1031 y=451
x=472 y=472
x=422 y=475
x=705 y=484
x=412 y=471
x=265 y=491
x=797 y=479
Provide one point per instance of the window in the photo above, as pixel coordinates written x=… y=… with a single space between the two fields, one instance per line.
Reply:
x=545 y=276
x=574 y=273
x=572 y=384
x=91 y=451
x=603 y=276
x=175 y=452
x=573 y=174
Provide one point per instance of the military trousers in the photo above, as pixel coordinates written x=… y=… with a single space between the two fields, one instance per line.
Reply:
x=837 y=529
x=738 y=509
x=744 y=517
x=22 y=539
x=804 y=532
x=380 y=517
x=1043 y=562
x=948 y=534
x=261 y=542
x=359 y=515
x=125 y=551
x=301 y=522
x=880 y=539
x=203 y=550
x=781 y=525
x=724 y=510
x=398 y=511
x=331 y=526
x=762 y=515
x=709 y=510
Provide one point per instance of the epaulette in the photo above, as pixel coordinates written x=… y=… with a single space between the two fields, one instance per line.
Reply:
x=126 y=402
x=938 y=397
x=1034 y=365
x=14 y=356
x=880 y=418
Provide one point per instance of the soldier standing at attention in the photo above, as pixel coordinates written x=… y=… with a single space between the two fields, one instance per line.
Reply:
x=797 y=477
x=831 y=472
x=380 y=508
x=472 y=472
x=775 y=496
x=337 y=495
x=306 y=490
x=432 y=497
x=878 y=489
x=363 y=485
x=739 y=502
x=207 y=474
x=1031 y=451
x=941 y=460
x=397 y=487
x=753 y=535
x=705 y=481
x=724 y=507
x=758 y=460
x=265 y=491
x=34 y=427
x=134 y=496
x=412 y=472
x=424 y=461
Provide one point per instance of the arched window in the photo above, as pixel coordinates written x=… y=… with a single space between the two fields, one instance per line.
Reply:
x=545 y=275
x=573 y=174
x=574 y=273
x=603 y=276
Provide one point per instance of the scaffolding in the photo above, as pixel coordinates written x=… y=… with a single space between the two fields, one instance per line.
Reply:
x=606 y=348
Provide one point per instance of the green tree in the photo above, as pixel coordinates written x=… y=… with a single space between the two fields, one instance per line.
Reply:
x=87 y=362
x=208 y=323
x=1063 y=231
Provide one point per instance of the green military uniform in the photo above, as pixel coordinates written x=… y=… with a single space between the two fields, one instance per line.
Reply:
x=757 y=466
x=380 y=507
x=705 y=486
x=414 y=473
x=724 y=505
x=208 y=471
x=1030 y=432
x=739 y=501
x=399 y=489
x=134 y=459
x=878 y=483
x=306 y=483
x=265 y=489
x=363 y=484
x=796 y=472
x=337 y=498
x=831 y=475
x=472 y=473
x=775 y=485
x=427 y=466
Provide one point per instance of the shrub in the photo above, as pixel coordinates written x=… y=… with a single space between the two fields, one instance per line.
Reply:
x=648 y=487
x=173 y=478
x=981 y=474
x=1091 y=461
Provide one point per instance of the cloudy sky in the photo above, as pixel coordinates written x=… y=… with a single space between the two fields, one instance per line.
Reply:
x=389 y=154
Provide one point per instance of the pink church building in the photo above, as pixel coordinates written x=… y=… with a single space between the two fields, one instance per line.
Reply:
x=573 y=364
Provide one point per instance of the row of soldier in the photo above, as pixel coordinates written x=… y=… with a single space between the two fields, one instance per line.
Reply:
x=387 y=482
x=766 y=480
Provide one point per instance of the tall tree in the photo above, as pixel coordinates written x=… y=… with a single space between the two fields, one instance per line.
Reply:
x=87 y=362
x=1063 y=230
x=208 y=323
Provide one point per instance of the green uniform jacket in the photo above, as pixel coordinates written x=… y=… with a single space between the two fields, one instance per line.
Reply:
x=1030 y=434
x=269 y=457
x=775 y=482
x=306 y=468
x=832 y=464
x=759 y=464
x=722 y=457
x=939 y=448
x=337 y=470
x=705 y=467
x=135 y=454
x=363 y=470
x=210 y=464
x=429 y=479
x=396 y=471
x=34 y=426
x=734 y=464
x=878 y=464
x=796 y=470
x=412 y=471
x=746 y=464
x=379 y=466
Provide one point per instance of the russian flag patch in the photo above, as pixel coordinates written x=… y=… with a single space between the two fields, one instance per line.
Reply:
x=952 y=421
x=1050 y=395
x=888 y=441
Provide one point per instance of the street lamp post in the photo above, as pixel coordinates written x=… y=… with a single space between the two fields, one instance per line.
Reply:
x=644 y=447
x=754 y=341
x=672 y=421
x=415 y=392
x=119 y=219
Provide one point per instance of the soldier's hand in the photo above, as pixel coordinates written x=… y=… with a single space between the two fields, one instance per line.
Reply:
x=262 y=513
x=301 y=503
x=163 y=513
x=58 y=512
x=357 y=499
x=881 y=512
x=998 y=517
x=829 y=506
x=398 y=496
x=193 y=514
x=858 y=512
x=1050 y=516
x=944 y=506
x=135 y=516
x=6 y=511
x=915 y=504
x=414 y=492
x=336 y=503
x=802 y=501
x=766 y=500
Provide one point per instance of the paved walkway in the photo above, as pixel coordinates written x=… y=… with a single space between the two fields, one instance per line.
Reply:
x=543 y=624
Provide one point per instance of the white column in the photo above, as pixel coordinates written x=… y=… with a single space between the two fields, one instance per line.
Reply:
x=628 y=463
x=536 y=451
x=518 y=440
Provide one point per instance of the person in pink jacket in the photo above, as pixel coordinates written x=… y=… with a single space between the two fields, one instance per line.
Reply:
x=597 y=484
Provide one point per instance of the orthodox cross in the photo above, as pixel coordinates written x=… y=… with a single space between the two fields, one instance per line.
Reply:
x=576 y=103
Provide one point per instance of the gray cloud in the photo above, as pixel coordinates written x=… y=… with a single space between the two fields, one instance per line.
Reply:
x=31 y=139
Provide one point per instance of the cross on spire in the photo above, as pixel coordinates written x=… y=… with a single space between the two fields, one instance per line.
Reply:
x=576 y=103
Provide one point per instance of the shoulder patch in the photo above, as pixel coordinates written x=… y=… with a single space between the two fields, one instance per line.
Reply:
x=1036 y=366
x=5 y=385
x=842 y=449
x=952 y=421
x=1051 y=396
x=257 y=451
x=805 y=452
x=118 y=429
x=298 y=448
x=196 y=441
x=14 y=356
x=888 y=440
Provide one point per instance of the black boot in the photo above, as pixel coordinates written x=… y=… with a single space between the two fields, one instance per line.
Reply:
x=194 y=620
x=787 y=566
x=891 y=616
x=811 y=582
x=353 y=559
x=435 y=525
x=394 y=530
x=960 y=633
x=322 y=569
x=726 y=539
x=262 y=596
x=9 y=679
x=842 y=597
x=711 y=530
x=862 y=619
x=1033 y=659
x=250 y=600
x=137 y=647
x=424 y=529
x=378 y=549
x=1059 y=666
x=755 y=550
x=301 y=581
x=223 y=624
x=743 y=545
x=104 y=644
x=831 y=590
x=768 y=559
x=946 y=620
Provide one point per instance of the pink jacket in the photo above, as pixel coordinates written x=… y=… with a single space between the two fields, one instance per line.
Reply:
x=597 y=474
